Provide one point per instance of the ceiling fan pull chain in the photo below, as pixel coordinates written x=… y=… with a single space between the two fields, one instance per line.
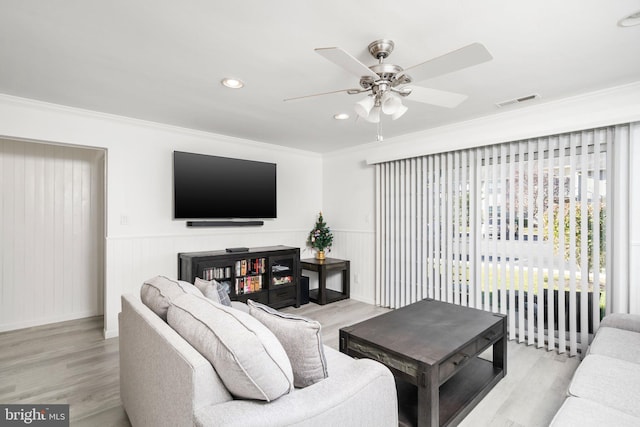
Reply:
x=379 y=136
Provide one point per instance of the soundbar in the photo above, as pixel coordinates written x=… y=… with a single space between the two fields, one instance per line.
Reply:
x=240 y=249
x=223 y=223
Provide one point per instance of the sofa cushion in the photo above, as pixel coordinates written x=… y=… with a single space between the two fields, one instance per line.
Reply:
x=630 y=322
x=158 y=293
x=239 y=305
x=612 y=382
x=358 y=392
x=246 y=355
x=213 y=290
x=617 y=343
x=301 y=339
x=576 y=412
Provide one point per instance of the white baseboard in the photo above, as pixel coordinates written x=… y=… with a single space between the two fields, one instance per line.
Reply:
x=362 y=299
x=110 y=333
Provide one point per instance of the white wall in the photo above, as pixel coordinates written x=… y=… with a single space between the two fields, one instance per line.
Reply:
x=349 y=183
x=348 y=203
x=142 y=239
x=51 y=233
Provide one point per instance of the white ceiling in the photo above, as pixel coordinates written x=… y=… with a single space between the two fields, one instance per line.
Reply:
x=163 y=60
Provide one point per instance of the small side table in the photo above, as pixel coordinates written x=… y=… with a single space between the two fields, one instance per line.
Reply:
x=322 y=295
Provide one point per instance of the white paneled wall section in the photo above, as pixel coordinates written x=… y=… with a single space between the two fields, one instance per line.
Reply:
x=51 y=233
x=358 y=246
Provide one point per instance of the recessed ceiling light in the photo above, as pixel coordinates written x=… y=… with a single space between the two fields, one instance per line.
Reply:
x=232 y=83
x=341 y=116
x=630 y=21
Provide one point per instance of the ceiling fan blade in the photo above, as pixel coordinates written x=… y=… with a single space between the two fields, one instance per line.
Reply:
x=349 y=91
x=464 y=57
x=345 y=60
x=437 y=97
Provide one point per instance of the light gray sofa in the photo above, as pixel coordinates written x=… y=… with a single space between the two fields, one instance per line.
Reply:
x=164 y=381
x=605 y=389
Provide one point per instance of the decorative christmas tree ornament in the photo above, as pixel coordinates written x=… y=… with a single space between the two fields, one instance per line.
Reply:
x=320 y=238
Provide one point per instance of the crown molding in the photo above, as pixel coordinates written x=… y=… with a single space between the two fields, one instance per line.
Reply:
x=49 y=107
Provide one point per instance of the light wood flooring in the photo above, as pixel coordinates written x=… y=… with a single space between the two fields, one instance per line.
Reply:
x=71 y=363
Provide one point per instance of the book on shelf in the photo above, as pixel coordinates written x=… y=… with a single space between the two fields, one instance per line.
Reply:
x=256 y=266
x=241 y=267
x=216 y=273
x=248 y=284
x=250 y=266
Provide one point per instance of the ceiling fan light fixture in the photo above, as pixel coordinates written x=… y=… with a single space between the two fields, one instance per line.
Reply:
x=232 y=83
x=374 y=115
x=364 y=106
x=391 y=103
x=384 y=81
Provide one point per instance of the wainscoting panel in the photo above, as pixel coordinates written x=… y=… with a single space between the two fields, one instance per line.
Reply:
x=359 y=248
x=51 y=231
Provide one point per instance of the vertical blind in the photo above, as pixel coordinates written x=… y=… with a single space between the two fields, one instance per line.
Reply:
x=516 y=228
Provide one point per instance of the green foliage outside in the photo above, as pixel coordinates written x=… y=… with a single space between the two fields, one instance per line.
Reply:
x=515 y=280
x=578 y=233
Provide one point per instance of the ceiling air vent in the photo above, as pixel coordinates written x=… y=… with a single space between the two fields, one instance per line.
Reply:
x=518 y=100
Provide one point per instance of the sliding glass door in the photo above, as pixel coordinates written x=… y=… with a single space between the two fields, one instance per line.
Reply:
x=516 y=228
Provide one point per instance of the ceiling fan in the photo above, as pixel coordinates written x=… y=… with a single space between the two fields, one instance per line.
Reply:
x=386 y=82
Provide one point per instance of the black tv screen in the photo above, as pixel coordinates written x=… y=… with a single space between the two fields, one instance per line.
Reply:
x=209 y=187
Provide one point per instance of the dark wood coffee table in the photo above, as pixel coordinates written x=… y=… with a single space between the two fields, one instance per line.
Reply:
x=432 y=347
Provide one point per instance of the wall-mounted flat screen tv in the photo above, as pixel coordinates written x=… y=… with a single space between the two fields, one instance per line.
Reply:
x=212 y=187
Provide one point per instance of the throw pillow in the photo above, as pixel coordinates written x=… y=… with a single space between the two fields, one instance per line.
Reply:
x=301 y=339
x=247 y=357
x=158 y=293
x=213 y=290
